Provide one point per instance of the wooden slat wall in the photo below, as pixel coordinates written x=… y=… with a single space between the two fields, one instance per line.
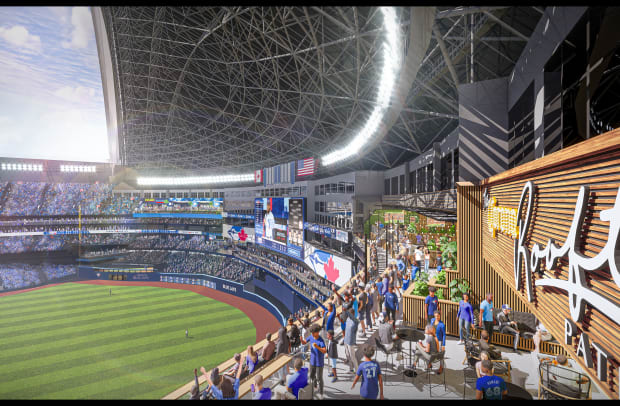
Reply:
x=487 y=262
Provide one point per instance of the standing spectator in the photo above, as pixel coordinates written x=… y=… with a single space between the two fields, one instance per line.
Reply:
x=391 y=305
x=431 y=303
x=379 y=287
x=283 y=346
x=258 y=391
x=427 y=259
x=362 y=307
x=466 y=317
x=194 y=393
x=440 y=329
x=486 y=314
x=418 y=257
x=508 y=326
x=317 y=357
x=293 y=335
x=372 y=379
x=332 y=353
x=489 y=386
x=406 y=282
x=369 y=307
x=350 y=343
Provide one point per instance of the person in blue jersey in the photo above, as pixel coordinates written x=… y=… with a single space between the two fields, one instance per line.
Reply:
x=406 y=282
x=489 y=386
x=431 y=303
x=296 y=381
x=370 y=373
x=391 y=305
x=329 y=314
x=317 y=356
x=379 y=287
x=440 y=329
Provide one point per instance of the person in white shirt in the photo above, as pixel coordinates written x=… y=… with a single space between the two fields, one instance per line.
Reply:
x=269 y=222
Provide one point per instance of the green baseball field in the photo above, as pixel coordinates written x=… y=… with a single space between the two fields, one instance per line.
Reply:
x=75 y=341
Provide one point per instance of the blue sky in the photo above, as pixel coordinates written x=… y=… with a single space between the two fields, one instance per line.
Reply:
x=51 y=99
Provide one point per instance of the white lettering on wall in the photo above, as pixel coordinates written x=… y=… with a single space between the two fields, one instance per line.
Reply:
x=576 y=285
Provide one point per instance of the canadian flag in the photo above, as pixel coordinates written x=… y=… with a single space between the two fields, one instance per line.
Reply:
x=258 y=176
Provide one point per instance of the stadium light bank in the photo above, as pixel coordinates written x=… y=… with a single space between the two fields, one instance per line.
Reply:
x=391 y=66
x=194 y=180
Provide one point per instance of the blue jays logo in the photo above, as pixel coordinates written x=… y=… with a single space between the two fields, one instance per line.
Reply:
x=237 y=233
x=323 y=263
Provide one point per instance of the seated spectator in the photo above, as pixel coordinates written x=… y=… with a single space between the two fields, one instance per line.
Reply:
x=490 y=348
x=296 y=381
x=489 y=386
x=387 y=337
x=268 y=349
x=258 y=391
x=564 y=379
x=507 y=325
x=427 y=347
x=221 y=387
x=483 y=356
x=233 y=371
x=251 y=359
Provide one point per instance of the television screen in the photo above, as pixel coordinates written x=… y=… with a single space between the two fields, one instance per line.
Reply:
x=279 y=224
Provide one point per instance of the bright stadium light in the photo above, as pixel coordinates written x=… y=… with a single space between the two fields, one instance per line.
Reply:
x=389 y=74
x=194 y=180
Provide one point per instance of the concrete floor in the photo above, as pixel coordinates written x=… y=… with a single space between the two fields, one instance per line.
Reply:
x=398 y=386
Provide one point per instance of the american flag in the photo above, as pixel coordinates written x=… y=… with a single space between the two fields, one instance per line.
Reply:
x=306 y=167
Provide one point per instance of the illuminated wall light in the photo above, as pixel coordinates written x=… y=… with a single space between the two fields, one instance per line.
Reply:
x=193 y=180
x=389 y=74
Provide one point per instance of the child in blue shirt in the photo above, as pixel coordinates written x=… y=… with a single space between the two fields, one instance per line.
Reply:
x=317 y=355
x=372 y=379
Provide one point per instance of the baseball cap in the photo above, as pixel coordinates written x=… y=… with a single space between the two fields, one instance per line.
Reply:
x=506 y=307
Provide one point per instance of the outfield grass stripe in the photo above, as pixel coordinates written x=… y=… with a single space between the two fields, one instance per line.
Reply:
x=104 y=369
x=125 y=385
x=72 y=327
x=77 y=301
x=89 y=317
x=62 y=346
x=132 y=347
x=137 y=351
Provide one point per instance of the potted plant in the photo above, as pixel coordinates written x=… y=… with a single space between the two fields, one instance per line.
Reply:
x=448 y=252
x=457 y=288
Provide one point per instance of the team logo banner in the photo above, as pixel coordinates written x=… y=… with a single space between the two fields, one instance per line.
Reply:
x=238 y=233
x=329 y=266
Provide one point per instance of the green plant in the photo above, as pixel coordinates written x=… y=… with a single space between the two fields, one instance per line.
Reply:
x=440 y=279
x=431 y=245
x=420 y=288
x=422 y=276
x=448 y=252
x=411 y=228
x=439 y=294
x=457 y=288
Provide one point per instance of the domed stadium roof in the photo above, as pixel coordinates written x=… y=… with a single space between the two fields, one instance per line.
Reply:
x=242 y=88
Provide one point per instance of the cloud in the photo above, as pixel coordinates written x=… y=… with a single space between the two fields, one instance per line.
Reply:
x=82 y=23
x=19 y=36
x=80 y=94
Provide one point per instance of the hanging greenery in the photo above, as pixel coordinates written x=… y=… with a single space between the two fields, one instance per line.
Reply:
x=440 y=279
x=448 y=252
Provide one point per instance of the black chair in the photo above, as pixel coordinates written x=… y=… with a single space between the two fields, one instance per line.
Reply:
x=388 y=354
x=427 y=371
x=556 y=382
x=469 y=378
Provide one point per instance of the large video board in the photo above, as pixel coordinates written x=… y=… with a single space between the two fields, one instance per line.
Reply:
x=279 y=224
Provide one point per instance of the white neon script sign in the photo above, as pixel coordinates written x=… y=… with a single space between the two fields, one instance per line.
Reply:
x=575 y=286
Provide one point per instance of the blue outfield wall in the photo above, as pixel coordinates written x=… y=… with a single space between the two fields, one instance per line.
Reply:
x=273 y=284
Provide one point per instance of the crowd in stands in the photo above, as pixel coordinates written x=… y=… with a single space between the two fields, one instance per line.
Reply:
x=18 y=276
x=19 y=224
x=300 y=278
x=215 y=265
